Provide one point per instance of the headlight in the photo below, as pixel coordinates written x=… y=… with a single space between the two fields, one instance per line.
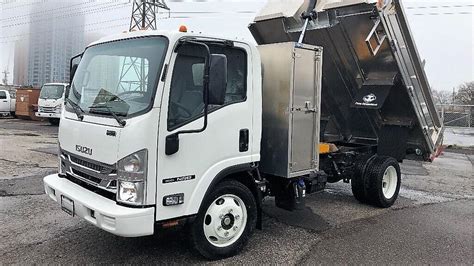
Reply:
x=131 y=192
x=131 y=178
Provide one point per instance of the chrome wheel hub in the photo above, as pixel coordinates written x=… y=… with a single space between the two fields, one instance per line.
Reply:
x=225 y=220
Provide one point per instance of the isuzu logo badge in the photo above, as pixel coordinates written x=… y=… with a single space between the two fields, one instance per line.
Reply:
x=83 y=149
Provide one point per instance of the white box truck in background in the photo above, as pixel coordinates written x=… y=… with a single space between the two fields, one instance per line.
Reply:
x=173 y=128
x=7 y=103
x=50 y=101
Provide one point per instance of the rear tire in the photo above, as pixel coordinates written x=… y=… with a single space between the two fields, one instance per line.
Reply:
x=359 y=178
x=54 y=121
x=383 y=180
x=225 y=222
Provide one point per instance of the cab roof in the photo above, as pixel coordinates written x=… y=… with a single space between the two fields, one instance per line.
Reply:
x=172 y=36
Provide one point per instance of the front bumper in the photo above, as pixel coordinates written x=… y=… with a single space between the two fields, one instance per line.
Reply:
x=48 y=115
x=100 y=211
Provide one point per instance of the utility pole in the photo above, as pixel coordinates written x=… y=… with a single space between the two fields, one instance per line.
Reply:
x=133 y=76
x=5 y=77
x=454 y=95
x=144 y=14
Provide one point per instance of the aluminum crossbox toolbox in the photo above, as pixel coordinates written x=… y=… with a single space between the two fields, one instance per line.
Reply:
x=291 y=108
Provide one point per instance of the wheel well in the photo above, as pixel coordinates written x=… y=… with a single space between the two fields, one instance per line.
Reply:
x=246 y=179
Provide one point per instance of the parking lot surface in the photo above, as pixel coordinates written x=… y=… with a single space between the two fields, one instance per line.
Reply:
x=432 y=221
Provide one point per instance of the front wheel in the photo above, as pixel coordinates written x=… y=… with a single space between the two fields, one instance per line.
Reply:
x=54 y=121
x=225 y=222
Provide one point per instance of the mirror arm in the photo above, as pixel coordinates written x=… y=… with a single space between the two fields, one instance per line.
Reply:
x=70 y=66
x=207 y=67
x=172 y=141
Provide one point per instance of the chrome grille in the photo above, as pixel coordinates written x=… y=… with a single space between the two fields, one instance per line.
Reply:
x=86 y=176
x=47 y=109
x=87 y=164
x=94 y=173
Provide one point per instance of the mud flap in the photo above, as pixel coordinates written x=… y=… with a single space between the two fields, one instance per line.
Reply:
x=393 y=141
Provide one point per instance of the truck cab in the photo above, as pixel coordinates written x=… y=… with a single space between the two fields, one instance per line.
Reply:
x=7 y=103
x=147 y=127
x=50 y=101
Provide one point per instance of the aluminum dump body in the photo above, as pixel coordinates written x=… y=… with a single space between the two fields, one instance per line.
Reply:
x=374 y=88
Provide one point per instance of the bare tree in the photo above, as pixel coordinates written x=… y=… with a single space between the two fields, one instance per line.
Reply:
x=442 y=97
x=465 y=94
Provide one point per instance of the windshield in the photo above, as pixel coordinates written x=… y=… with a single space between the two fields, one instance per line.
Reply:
x=119 y=77
x=51 y=92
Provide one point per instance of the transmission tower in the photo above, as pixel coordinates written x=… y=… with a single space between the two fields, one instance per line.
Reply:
x=134 y=76
x=144 y=14
x=5 y=77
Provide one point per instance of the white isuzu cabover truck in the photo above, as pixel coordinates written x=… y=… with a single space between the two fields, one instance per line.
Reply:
x=173 y=128
x=50 y=101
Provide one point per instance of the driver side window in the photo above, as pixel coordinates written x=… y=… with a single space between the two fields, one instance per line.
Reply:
x=186 y=96
x=186 y=101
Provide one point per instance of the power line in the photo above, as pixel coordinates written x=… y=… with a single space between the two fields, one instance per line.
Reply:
x=29 y=4
x=91 y=11
x=108 y=21
x=40 y=13
x=441 y=14
x=60 y=29
x=441 y=6
x=91 y=30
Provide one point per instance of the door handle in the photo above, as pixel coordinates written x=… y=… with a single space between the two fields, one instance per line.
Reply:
x=5 y=101
x=244 y=140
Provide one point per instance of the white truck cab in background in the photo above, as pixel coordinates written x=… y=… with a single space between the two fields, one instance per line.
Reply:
x=51 y=101
x=7 y=103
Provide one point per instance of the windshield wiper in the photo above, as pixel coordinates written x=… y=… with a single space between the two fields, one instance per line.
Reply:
x=104 y=106
x=77 y=109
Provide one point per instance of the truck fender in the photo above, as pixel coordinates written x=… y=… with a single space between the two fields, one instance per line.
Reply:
x=241 y=173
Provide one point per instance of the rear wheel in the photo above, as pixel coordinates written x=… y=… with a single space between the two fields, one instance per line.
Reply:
x=225 y=222
x=383 y=180
x=359 y=178
x=54 y=121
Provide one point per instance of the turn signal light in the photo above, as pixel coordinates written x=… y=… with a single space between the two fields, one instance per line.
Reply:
x=171 y=200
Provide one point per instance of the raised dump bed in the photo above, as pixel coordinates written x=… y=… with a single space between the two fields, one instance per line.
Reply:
x=374 y=88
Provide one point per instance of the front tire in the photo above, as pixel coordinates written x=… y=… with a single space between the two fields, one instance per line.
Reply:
x=54 y=121
x=225 y=222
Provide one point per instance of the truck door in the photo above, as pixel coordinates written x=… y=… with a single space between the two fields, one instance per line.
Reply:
x=305 y=110
x=4 y=102
x=224 y=143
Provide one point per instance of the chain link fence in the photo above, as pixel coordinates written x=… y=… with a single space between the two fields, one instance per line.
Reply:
x=456 y=115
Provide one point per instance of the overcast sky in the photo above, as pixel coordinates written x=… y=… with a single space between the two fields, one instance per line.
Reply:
x=443 y=29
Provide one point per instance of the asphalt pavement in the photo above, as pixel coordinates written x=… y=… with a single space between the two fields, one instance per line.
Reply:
x=431 y=223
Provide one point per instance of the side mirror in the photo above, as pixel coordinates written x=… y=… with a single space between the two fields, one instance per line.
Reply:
x=217 y=79
x=72 y=72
